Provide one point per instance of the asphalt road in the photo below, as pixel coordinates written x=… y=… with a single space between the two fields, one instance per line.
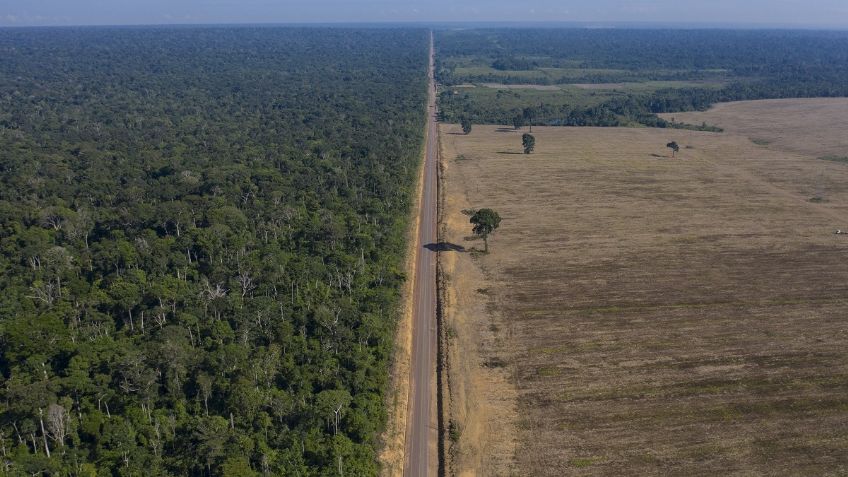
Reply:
x=420 y=431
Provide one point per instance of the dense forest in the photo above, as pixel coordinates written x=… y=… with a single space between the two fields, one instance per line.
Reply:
x=748 y=65
x=201 y=239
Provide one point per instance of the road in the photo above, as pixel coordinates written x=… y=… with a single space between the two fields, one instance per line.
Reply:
x=420 y=430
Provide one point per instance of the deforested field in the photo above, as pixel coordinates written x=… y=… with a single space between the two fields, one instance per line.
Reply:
x=805 y=126
x=643 y=315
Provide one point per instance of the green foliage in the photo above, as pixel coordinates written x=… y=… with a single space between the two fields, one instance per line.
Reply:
x=518 y=121
x=454 y=432
x=201 y=238
x=485 y=221
x=674 y=147
x=843 y=159
x=528 y=142
x=466 y=125
x=661 y=71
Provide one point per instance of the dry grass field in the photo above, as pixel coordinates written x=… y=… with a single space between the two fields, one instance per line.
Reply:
x=642 y=315
x=814 y=127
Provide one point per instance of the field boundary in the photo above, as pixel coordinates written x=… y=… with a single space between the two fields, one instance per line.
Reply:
x=442 y=362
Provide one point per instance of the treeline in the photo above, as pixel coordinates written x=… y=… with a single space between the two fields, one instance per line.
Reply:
x=742 y=52
x=519 y=75
x=752 y=64
x=201 y=239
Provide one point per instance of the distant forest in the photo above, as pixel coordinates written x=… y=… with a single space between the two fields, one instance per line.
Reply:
x=201 y=246
x=748 y=65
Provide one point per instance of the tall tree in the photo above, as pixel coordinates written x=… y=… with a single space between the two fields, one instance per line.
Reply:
x=485 y=221
x=529 y=115
x=517 y=121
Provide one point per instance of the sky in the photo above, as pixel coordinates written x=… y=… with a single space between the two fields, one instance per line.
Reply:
x=800 y=13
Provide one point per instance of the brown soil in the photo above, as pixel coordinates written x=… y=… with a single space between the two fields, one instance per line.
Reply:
x=643 y=315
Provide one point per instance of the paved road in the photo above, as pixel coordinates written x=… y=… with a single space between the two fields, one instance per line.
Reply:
x=420 y=432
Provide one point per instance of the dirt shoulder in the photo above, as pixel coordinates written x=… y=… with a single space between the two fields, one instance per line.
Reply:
x=482 y=413
x=393 y=450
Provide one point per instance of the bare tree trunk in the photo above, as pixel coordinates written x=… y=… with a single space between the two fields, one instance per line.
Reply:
x=20 y=439
x=43 y=434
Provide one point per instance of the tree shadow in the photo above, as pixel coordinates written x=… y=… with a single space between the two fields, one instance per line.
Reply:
x=445 y=247
x=506 y=130
x=511 y=153
x=457 y=134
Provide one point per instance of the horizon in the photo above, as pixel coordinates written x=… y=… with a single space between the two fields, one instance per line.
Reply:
x=588 y=25
x=783 y=14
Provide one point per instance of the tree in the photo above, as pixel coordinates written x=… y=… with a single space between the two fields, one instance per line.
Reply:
x=529 y=143
x=674 y=147
x=518 y=121
x=57 y=423
x=529 y=114
x=466 y=125
x=251 y=350
x=485 y=222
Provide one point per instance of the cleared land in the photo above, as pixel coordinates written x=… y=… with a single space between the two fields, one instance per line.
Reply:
x=814 y=127
x=644 y=315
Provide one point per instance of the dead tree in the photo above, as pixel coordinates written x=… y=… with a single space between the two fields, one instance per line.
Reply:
x=57 y=423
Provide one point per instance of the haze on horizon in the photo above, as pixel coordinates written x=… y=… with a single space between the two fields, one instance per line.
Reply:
x=784 y=13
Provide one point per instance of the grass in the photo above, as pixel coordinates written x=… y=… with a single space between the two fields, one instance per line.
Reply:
x=581 y=462
x=454 y=432
x=801 y=126
x=675 y=316
x=544 y=74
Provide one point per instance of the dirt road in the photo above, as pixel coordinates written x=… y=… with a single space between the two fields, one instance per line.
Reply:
x=420 y=431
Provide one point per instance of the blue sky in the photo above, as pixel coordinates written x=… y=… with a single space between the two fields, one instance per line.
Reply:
x=833 y=13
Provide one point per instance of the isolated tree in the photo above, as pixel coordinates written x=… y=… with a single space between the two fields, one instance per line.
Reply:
x=466 y=125
x=529 y=114
x=485 y=221
x=674 y=148
x=518 y=121
x=529 y=143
